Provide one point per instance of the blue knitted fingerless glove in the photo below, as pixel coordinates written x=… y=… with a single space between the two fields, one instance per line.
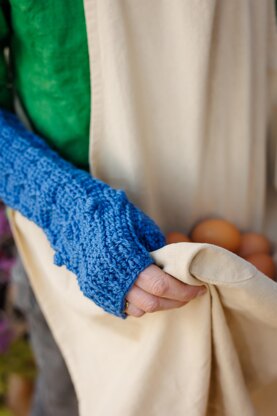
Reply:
x=94 y=230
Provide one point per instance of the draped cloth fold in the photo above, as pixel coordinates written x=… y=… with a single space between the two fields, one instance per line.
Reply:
x=214 y=356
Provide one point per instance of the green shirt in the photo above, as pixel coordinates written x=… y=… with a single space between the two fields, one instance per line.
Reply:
x=49 y=70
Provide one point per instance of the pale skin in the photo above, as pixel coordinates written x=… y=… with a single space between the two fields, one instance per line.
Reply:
x=155 y=290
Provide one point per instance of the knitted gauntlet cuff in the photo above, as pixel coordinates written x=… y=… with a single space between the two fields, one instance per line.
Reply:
x=94 y=230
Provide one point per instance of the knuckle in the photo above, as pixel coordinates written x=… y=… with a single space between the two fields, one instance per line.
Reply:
x=151 y=305
x=138 y=313
x=149 y=271
x=144 y=274
x=159 y=287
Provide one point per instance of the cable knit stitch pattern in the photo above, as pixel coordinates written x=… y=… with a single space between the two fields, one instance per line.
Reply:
x=95 y=231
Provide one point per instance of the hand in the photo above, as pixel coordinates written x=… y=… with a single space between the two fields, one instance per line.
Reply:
x=155 y=290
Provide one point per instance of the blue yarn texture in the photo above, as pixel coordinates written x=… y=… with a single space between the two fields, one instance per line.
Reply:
x=95 y=231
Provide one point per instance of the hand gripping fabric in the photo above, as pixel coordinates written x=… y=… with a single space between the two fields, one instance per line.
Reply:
x=94 y=230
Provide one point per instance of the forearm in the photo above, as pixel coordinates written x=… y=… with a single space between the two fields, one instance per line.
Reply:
x=94 y=230
x=30 y=168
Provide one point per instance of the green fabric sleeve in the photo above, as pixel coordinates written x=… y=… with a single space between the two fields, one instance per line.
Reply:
x=5 y=88
x=51 y=74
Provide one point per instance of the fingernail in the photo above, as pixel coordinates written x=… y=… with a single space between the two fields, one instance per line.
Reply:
x=201 y=292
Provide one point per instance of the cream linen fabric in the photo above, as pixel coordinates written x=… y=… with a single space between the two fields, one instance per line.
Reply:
x=215 y=356
x=183 y=96
x=182 y=93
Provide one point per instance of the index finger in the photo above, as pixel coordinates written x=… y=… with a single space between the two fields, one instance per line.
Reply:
x=153 y=280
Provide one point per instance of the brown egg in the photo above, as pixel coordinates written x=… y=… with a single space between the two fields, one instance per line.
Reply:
x=219 y=232
x=177 y=237
x=264 y=263
x=253 y=243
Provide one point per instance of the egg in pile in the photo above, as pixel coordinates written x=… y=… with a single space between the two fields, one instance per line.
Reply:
x=253 y=247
